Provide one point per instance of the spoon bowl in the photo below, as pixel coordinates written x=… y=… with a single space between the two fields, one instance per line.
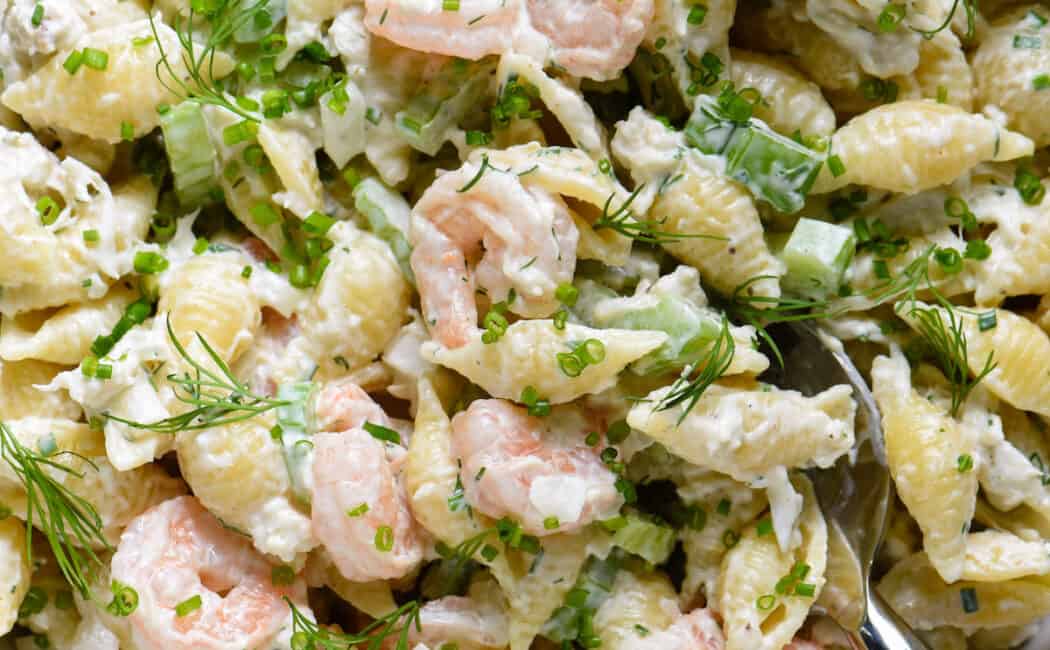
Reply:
x=854 y=493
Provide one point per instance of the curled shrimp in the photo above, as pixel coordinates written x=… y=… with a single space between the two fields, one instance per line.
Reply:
x=360 y=510
x=587 y=38
x=177 y=551
x=591 y=38
x=481 y=226
x=531 y=469
x=478 y=28
x=461 y=622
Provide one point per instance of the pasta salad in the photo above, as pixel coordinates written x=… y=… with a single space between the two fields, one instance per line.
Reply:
x=442 y=324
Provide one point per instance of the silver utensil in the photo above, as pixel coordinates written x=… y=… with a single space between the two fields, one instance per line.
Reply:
x=854 y=496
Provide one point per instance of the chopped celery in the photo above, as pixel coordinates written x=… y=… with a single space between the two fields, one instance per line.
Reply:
x=816 y=256
x=689 y=330
x=191 y=153
x=388 y=214
x=775 y=168
x=591 y=293
x=649 y=540
x=294 y=431
x=593 y=587
x=443 y=101
x=262 y=23
x=343 y=122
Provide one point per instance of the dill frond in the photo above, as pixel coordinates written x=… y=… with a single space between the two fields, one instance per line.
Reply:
x=217 y=397
x=623 y=221
x=308 y=635
x=70 y=523
x=699 y=376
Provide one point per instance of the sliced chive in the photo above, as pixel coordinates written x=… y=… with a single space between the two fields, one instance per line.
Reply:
x=968 y=596
x=38 y=15
x=618 y=432
x=724 y=507
x=964 y=463
x=551 y=523
x=380 y=432
x=73 y=61
x=91 y=235
x=1041 y=82
x=357 y=511
x=200 y=245
x=697 y=14
x=264 y=215
x=48 y=210
x=384 y=540
x=805 y=589
x=148 y=262
x=891 y=16
x=987 y=321
x=765 y=603
x=977 y=249
x=567 y=294
x=835 y=166
x=450 y=5
x=188 y=606
x=95 y=59
x=765 y=527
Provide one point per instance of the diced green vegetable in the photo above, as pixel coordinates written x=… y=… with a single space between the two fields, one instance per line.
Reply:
x=388 y=214
x=262 y=23
x=689 y=330
x=593 y=587
x=816 y=256
x=191 y=153
x=649 y=540
x=774 y=168
x=293 y=431
x=442 y=103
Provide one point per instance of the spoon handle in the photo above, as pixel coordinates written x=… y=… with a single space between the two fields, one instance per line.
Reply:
x=884 y=630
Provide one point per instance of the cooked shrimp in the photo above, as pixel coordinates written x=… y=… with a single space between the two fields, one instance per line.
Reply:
x=177 y=551
x=591 y=38
x=476 y=29
x=697 y=630
x=360 y=510
x=531 y=469
x=498 y=235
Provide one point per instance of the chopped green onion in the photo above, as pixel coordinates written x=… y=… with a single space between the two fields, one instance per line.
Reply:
x=188 y=606
x=890 y=17
x=805 y=589
x=591 y=351
x=317 y=223
x=942 y=95
x=977 y=249
x=384 y=540
x=125 y=599
x=1041 y=82
x=139 y=41
x=570 y=364
x=560 y=318
x=567 y=294
x=478 y=138
x=38 y=15
x=765 y=527
x=273 y=44
x=1022 y=42
x=95 y=59
x=450 y=5
x=127 y=131
x=987 y=321
x=73 y=61
x=33 y=602
x=730 y=538
x=949 y=260
x=765 y=603
x=696 y=15
x=591 y=439
x=618 y=432
x=200 y=245
x=48 y=210
x=264 y=215
x=148 y=262
x=551 y=523
x=835 y=166
x=1029 y=186
x=724 y=507
x=358 y=510
x=536 y=405
x=964 y=463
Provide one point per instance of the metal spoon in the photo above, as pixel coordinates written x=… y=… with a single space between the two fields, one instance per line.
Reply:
x=854 y=497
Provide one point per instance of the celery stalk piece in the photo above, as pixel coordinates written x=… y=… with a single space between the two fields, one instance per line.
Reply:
x=455 y=90
x=388 y=216
x=689 y=330
x=816 y=255
x=343 y=123
x=774 y=168
x=263 y=23
x=649 y=540
x=595 y=584
x=191 y=153
x=293 y=423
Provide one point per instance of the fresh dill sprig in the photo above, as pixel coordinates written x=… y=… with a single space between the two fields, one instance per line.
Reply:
x=217 y=398
x=644 y=230
x=697 y=377
x=942 y=329
x=308 y=635
x=762 y=311
x=224 y=17
x=907 y=282
x=69 y=522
